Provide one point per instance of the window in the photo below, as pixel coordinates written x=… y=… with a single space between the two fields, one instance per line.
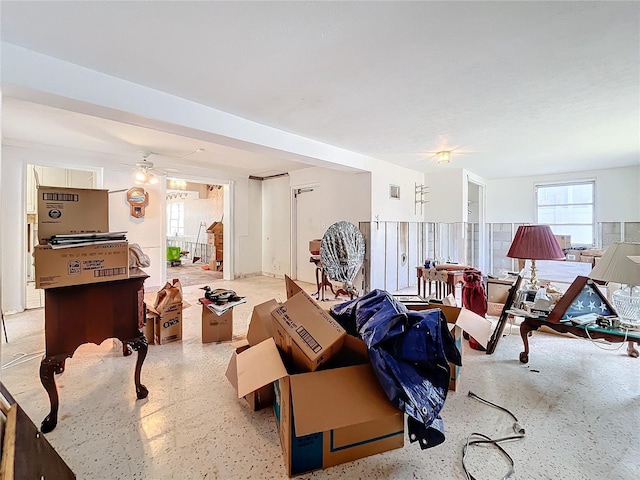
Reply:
x=568 y=209
x=175 y=219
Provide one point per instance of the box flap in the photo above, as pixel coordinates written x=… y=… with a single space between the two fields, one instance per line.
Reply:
x=261 y=324
x=240 y=344
x=329 y=399
x=258 y=366
x=291 y=287
x=475 y=325
x=232 y=371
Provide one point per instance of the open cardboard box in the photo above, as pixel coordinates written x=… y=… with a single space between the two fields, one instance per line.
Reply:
x=324 y=417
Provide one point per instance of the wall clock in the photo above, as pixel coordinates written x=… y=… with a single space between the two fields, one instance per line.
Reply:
x=138 y=199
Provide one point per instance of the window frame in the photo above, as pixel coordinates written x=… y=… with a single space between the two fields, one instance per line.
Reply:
x=592 y=182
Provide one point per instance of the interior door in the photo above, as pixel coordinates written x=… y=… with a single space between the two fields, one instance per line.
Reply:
x=308 y=226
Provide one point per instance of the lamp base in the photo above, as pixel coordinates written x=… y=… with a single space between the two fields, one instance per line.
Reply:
x=627 y=304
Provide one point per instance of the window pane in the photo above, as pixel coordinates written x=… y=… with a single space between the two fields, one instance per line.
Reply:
x=563 y=194
x=580 y=235
x=566 y=214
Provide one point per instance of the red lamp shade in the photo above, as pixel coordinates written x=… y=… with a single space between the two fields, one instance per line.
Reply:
x=535 y=242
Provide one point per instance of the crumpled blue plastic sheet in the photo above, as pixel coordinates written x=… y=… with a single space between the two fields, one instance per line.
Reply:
x=410 y=353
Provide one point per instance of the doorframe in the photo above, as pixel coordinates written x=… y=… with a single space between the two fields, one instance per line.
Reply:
x=482 y=222
x=293 y=273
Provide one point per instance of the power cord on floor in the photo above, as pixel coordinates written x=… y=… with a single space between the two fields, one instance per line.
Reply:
x=21 y=358
x=492 y=441
x=593 y=340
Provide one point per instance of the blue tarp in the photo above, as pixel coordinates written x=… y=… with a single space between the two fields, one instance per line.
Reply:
x=410 y=352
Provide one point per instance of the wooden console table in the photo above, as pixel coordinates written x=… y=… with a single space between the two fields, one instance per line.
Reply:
x=447 y=278
x=613 y=335
x=80 y=314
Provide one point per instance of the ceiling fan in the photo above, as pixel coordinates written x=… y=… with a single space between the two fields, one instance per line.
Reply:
x=146 y=173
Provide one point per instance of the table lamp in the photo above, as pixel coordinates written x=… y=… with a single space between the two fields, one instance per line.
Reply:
x=616 y=266
x=535 y=242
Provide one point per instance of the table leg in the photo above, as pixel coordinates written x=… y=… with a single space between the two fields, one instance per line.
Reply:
x=318 y=281
x=49 y=366
x=140 y=345
x=632 y=351
x=525 y=332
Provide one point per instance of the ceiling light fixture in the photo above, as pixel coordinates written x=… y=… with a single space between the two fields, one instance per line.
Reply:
x=443 y=156
x=145 y=178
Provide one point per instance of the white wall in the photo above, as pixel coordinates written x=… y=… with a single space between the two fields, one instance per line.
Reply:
x=447 y=196
x=617 y=195
x=246 y=229
x=384 y=208
x=276 y=226
x=148 y=231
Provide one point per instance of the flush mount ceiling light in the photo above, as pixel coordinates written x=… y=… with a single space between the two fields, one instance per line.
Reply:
x=443 y=156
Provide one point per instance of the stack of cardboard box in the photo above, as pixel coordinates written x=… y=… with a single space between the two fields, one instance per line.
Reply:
x=328 y=403
x=70 y=211
x=215 y=237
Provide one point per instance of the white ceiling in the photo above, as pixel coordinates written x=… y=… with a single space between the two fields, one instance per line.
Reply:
x=514 y=87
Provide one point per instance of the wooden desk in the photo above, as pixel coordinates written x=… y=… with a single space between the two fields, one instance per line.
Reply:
x=445 y=280
x=80 y=314
x=614 y=335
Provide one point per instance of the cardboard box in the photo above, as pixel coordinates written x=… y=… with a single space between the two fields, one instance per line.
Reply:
x=261 y=323
x=574 y=255
x=325 y=417
x=494 y=309
x=167 y=322
x=60 y=267
x=215 y=327
x=63 y=211
x=314 y=246
x=149 y=329
x=258 y=399
x=497 y=293
x=291 y=287
x=306 y=333
x=215 y=234
x=564 y=241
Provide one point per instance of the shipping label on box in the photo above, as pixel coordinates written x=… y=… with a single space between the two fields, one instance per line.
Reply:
x=307 y=334
x=167 y=323
x=64 y=211
x=216 y=327
x=61 y=267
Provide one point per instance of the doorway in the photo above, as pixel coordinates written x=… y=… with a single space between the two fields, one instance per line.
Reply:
x=195 y=231
x=476 y=226
x=306 y=202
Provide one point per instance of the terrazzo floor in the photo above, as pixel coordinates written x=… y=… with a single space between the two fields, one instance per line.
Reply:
x=579 y=404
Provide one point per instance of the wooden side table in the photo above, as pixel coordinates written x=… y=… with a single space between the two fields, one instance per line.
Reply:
x=445 y=280
x=79 y=314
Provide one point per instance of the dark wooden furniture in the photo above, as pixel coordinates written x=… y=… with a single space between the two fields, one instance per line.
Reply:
x=504 y=315
x=613 y=335
x=79 y=314
x=322 y=282
x=26 y=454
x=442 y=288
x=559 y=319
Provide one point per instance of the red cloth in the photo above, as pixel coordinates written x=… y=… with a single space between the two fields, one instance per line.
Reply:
x=473 y=298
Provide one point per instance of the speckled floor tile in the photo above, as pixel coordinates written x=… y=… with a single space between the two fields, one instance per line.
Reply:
x=579 y=404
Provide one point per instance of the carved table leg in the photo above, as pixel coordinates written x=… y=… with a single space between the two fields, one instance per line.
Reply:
x=525 y=331
x=632 y=351
x=49 y=366
x=140 y=345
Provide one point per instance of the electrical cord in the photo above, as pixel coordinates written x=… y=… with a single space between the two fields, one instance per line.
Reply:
x=593 y=340
x=21 y=358
x=495 y=442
